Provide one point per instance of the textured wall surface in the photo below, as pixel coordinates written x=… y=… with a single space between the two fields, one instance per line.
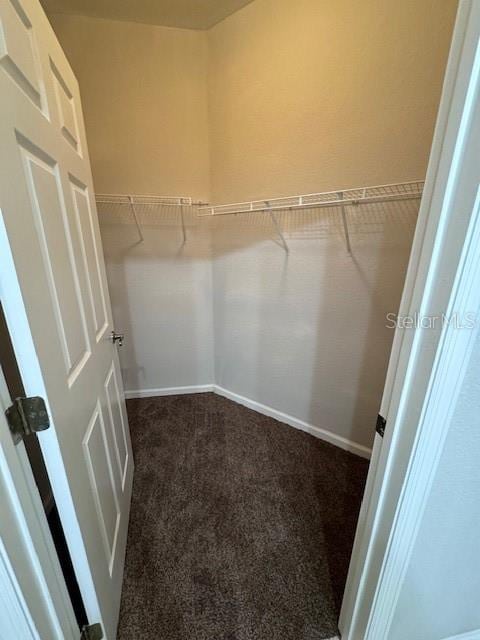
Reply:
x=433 y=602
x=308 y=96
x=281 y=98
x=306 y=332
x=161 y=297
x=315 y=95
x=144 y=99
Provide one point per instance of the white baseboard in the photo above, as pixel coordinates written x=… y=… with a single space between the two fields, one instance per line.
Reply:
x=169 y=391
x=318 y=432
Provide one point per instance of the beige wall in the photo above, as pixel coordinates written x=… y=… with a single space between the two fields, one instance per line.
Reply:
x=144 y=98
x=313 y=95
x=280 y=98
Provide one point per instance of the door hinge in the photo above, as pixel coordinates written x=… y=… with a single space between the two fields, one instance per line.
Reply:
x=26 y=416
x=92 y=632
x=381 y=423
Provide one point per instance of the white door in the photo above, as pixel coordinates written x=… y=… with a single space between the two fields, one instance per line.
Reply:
x=34 y=602
x=54 y=293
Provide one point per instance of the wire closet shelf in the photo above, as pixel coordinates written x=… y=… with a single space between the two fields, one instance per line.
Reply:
x=345 y=197
x=133 y=201
x=341 y=198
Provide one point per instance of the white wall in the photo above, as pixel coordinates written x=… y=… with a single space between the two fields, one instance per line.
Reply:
x=303 y=333
x=161 y=297
x=441 y=593
x=306 y=333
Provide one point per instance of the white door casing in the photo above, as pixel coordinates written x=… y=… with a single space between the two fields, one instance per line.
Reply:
x=396 y=490
x=54 y=293
x=34 y=602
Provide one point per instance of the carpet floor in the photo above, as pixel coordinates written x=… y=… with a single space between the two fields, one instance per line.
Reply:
x=241 y=527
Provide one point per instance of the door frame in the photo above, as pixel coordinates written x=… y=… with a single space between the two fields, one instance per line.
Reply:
x=30 y=527
x=426 y=366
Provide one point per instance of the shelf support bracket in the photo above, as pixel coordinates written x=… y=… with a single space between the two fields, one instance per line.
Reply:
x=135 y=217
x=345 y=225
x=277 y=228
x=184 y=231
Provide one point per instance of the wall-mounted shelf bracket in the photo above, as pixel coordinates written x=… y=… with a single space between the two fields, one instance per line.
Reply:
x=184 y=231
x=345 y=225
x=135 y=218
x=278 y=229
x=148 y=203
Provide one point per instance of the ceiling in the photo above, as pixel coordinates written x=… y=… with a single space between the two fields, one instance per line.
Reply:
x=187 y=14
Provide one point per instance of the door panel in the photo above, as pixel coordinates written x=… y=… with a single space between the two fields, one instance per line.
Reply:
x=56 y=264
x=89 y=250
x=102 y=482
x=67 y=113
x=118 y=425
x=51 y=222
x=18 y=51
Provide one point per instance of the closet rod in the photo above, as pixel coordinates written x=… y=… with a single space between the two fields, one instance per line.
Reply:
x=342 y=198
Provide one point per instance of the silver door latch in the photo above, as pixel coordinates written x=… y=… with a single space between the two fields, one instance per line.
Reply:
x=117 y=337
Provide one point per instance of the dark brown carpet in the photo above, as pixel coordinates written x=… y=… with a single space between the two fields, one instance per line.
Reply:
x=241 y=527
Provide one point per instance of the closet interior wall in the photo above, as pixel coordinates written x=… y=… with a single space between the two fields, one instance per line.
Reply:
x=161 y=290
x=279 y=99
x=307 y=330
x=311 y=96
x=144 y=95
